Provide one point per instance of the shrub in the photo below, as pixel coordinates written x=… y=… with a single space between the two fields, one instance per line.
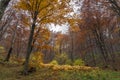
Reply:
x=79 y=62
x=36 y=59
x=54 y=62
x=69 y=62
x=61 y=58
x=2 y=49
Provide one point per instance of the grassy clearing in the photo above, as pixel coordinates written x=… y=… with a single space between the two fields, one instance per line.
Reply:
x=11 y=71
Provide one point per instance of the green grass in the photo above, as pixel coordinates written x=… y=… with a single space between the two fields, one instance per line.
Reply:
x=10 y=71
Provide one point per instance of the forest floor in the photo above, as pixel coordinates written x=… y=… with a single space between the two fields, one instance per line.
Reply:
x=11 y=71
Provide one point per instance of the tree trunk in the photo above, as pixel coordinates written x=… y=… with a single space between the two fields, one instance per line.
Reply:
x=18 y=48
x=101 y=45
x=3 y=5
x=115 y=6
x=112 y=55
x=91 y=49
x=12 y=45
x=9 y=54
x=29 y=48
x=72 y=48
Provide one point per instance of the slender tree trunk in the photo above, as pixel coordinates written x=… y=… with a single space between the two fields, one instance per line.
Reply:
x=3 y=5
x=29 y=48
x=9 y=54
x=115 y=6
x=12 y=45
x=72 y=48
x=112 y=55
x=93 y=51
x=18 y=48
x=60 y=47
x=93 y=56
x=101 y=44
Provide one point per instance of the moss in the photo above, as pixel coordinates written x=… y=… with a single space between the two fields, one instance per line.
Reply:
x=11 y=72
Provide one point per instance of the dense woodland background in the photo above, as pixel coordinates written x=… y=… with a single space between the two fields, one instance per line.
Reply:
x=92 y=37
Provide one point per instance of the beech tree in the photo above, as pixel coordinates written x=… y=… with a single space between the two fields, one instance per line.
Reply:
x=41 y=12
